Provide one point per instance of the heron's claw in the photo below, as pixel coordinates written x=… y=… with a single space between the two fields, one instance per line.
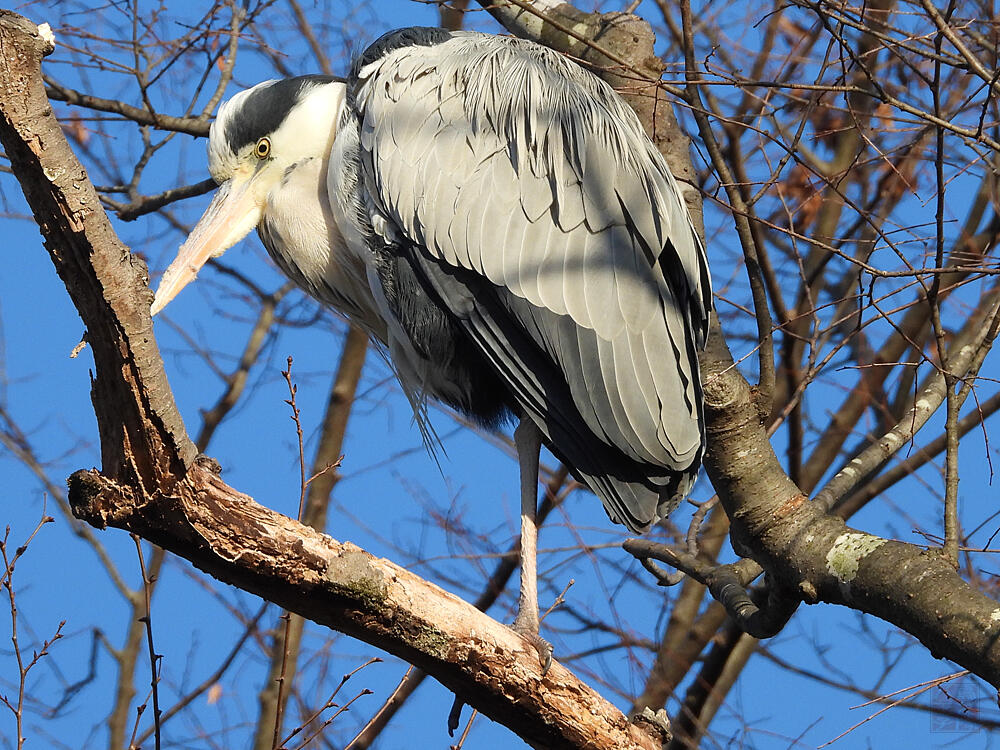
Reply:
x=542 y=646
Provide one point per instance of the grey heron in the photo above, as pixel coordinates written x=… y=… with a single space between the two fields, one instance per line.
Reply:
x=496 y=219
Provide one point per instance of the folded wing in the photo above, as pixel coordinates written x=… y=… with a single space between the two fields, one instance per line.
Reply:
x=527 y=197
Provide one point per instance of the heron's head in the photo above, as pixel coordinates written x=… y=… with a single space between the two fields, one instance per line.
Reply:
x=256 y=141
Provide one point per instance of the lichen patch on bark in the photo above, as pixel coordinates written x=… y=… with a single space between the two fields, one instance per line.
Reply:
x=847 y=552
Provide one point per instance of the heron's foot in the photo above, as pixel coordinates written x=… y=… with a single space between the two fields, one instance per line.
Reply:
x=529 y=632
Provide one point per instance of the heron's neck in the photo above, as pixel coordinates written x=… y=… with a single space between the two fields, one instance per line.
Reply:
x=301 y=235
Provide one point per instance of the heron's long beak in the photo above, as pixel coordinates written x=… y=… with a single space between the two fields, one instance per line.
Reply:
x=234 y=211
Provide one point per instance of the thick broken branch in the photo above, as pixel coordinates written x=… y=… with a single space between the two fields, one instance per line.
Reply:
x=229 y=536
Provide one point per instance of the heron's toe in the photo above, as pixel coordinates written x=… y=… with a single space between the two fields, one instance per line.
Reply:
x=542 y=646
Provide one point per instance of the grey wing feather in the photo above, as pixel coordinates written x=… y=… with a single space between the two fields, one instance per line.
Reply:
x=547 y=222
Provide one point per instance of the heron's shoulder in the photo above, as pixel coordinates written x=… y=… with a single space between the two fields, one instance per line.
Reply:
x=458 y=50
x=488 y=70
x=392 y=41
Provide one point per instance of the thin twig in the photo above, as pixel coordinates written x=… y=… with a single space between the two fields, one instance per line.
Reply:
x=154 y=659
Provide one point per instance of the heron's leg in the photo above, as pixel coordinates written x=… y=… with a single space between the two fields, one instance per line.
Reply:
x=528 y=441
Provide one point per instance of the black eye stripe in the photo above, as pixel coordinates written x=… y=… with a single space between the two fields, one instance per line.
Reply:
x=263 y=110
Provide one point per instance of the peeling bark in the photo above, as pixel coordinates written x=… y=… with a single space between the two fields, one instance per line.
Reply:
x=227 y=535
x=142 y=436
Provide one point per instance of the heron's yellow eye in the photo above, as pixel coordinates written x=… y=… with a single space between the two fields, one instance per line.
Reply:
x=263 y=148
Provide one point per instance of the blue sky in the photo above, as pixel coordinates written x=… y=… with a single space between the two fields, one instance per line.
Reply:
x=384 y=503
